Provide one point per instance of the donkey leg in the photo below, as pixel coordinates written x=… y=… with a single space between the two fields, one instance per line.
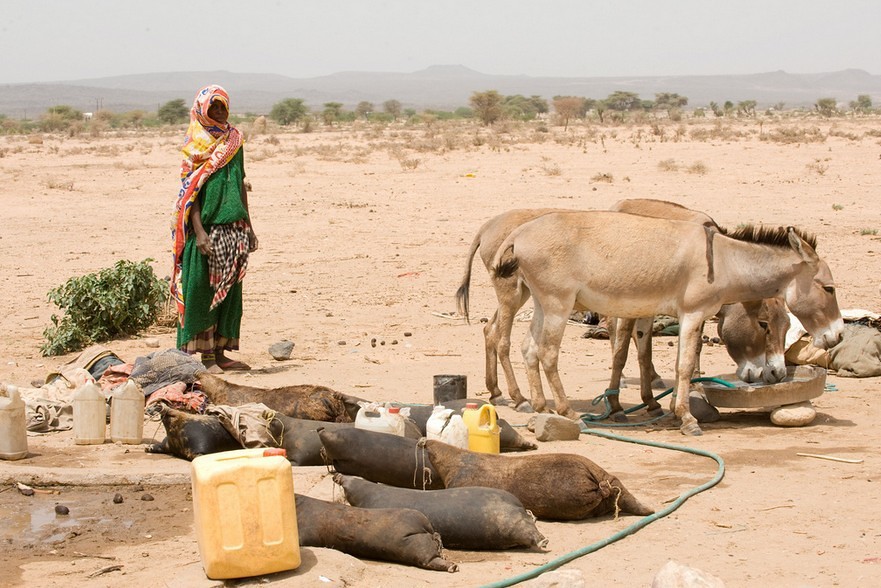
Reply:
x=553 y=325
x=619 y=336
x=530 y=349
x=490 y=343
x=689 y=336
x=642 y=333
x=512 y=295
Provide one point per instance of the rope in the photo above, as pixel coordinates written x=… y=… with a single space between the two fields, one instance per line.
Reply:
x=592 y=419
x=555 y=563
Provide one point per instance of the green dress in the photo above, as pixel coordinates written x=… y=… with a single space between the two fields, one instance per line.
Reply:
x=220 y=202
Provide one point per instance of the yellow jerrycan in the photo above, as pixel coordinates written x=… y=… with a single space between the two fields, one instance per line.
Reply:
x=483 y=427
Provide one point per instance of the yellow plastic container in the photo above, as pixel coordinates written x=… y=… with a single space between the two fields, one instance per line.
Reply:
x=246 y=521
x=483 y=427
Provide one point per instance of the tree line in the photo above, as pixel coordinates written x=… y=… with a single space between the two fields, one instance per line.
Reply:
x=488 y=107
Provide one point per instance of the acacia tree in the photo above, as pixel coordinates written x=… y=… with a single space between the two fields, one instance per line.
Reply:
x=173 y=112
x=746 y=108
x=364 y=109
x=826 y=106
x=331 y=112
x=568 y=107
x=862 y=105
x=289 y=110
x=487 y=106
x=392 y=108
x=671 y=102
x=622 y=101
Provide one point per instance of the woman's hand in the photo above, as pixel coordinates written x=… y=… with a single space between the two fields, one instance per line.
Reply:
x=253 y=242
x=203 y=243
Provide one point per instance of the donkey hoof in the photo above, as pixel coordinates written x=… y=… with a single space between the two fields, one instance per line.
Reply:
x=655 y=412
x=524 y=406
x=619 y=417
x=570 y=414
x=499 y=401
x=691 y=429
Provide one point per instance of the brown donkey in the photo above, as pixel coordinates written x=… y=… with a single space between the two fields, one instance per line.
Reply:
x=580 y=260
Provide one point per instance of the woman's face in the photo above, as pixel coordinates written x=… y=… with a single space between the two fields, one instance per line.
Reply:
x=218 y=112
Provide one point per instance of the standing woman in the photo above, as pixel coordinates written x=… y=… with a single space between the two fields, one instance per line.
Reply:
x=212 y=234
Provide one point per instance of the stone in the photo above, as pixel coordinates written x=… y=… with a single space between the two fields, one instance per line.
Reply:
x=677 y=575
x=282 y=350
x=568 y=578
x=553 y=427
x=151 y=342
x=794 y=415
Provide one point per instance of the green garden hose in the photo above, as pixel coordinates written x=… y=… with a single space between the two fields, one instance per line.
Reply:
x=572 y=555
x=592 y=418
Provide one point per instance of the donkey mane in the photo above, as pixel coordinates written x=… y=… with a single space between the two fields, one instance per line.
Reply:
x=774 y=236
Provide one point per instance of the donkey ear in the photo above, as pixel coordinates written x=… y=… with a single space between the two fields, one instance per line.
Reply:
x=801 y=246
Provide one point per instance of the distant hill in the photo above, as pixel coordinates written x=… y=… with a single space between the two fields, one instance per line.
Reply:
x=442 y=87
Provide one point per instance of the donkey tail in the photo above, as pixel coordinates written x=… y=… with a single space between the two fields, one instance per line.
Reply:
x=506 y=264
x=462 y=298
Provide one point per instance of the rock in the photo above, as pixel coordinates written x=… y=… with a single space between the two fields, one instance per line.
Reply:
x=701 y=409
x=62 y=510
x=552 y=427
x=558 y=579
x=676 y=575
x=117 y=498
x=151 y=342
x=282 y=350
x=794 y=415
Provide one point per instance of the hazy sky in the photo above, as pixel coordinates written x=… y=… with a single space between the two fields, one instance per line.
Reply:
x=50 y=40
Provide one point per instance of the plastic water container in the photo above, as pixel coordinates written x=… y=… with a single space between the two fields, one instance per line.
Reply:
x=381 y=420
x=483 y=427
x=127 y=414
x=89 y=415
x=445 y=426
x=245 y=515
x=13 y=426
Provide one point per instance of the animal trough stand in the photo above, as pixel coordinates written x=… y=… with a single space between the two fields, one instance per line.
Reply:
x=800 y=384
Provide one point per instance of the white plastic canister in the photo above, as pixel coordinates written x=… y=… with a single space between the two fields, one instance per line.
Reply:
x=380 y=419
x=127 y=414
x=89 y=415
x=445 y=426
x=13 y=426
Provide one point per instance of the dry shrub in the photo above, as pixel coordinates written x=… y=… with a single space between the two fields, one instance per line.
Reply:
x=668 y=165
x=35 y=140
x=409 y=163
x=56 y=184
x=698 y=167
x=552 y=170
x=787 y=135
x=602 y=177
x=817 y=167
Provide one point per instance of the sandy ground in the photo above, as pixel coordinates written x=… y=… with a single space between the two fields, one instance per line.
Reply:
x=364 y=234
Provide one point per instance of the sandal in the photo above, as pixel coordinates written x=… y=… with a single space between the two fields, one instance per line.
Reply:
x=233 y=366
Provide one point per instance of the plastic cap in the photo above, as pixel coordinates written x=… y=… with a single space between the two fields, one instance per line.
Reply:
x=275 y=451
x=471 y=405
x=394 y=409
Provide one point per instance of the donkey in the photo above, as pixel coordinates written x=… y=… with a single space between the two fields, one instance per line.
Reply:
x=754 y=334
x=512 y=294
x=579 y=260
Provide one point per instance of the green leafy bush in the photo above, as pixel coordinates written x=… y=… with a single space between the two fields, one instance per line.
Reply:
x=116 y=301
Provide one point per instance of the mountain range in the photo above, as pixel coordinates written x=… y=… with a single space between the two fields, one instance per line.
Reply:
x=441 y=87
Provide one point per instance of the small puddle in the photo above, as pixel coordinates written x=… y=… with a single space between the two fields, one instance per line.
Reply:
x=33 y=519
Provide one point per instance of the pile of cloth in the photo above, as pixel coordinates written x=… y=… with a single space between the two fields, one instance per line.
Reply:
x=164 y=376
x=858 y=355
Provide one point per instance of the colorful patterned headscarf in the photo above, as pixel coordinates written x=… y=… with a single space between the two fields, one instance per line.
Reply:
x=208 y=146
